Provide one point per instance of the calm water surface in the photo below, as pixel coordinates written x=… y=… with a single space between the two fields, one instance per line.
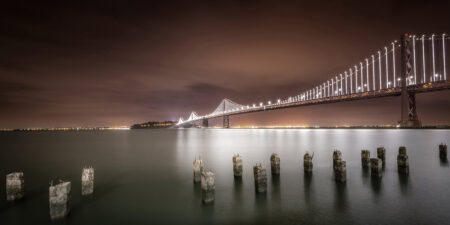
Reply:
x=145 y=177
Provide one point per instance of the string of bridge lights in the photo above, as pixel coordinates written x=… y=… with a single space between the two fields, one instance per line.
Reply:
x=347 y=82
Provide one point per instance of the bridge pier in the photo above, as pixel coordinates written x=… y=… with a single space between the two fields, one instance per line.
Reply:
x=409 y=116
x=226 y=121
x=205 y=122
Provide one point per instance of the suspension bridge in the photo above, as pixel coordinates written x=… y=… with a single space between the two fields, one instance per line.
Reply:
x=413 y=65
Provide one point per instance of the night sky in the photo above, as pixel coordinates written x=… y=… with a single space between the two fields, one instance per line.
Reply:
x=107 y=63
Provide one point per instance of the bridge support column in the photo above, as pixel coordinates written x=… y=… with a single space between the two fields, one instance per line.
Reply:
x=409 y=116
x=205 y=122
x=226 y=121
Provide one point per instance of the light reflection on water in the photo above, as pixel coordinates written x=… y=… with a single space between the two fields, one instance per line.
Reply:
x=145 y=176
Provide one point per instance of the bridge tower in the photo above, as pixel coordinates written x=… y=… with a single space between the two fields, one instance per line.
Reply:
x=226 y=121
x=409 y=116
x=205 y=122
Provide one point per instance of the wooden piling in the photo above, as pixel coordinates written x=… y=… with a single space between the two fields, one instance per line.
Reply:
x=59 y=199
x=275 y=164
x=365 y=158
x=208 y=186
x=381 y=154
x=402 y=161
x=198 y=168
x=443 y=151
x=376 y=167
x=87 y=181
x=307 y=163
x=15 y=186
x=237 y=165
x=260 y=176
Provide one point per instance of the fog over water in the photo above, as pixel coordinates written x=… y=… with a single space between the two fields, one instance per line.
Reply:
x=146 y=176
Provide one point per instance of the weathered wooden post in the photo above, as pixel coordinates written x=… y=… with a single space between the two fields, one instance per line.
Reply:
x=15 y=186
x=237 y=165
x=443 y=151
x=59 y=199
x=87 y=181
x=198 y=168
x=337 y=156
x=208 y=186
x=307 y=163
x=260 y=175
x=376 y=167
x=365 y=158
x=275 y=164
x=402 y=160
x=381 y=154
x=340 y=172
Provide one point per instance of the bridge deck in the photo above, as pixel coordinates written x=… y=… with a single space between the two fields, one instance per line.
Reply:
x=420 y=88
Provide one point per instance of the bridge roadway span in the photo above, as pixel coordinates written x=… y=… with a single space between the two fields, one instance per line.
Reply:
x=420 y=88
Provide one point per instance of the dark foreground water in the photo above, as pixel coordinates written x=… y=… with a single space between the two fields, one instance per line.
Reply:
x=145 y=177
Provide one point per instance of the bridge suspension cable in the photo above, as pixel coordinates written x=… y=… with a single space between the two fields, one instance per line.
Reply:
x=432 y=65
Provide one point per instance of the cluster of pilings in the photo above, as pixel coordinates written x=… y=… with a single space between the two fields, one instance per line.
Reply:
x=58 y=194
x=207 y=179
x=375 y=165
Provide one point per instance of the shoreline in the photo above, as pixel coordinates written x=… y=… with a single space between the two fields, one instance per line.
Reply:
x=241 y=128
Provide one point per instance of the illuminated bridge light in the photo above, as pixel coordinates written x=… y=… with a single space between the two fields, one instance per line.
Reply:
x=335 y=86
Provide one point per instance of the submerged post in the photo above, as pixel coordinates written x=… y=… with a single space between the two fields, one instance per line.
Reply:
x=198 y=167
x=376 y=167
x=208 y=186
x=402 y=160
x=260 y=176
x=381 y=154
x=87 y=181
x=307 y=163
x=275 y=164
x=365 y=158
x=443 y=151
x=59 y=198
x=15 y=186
x=237 y=165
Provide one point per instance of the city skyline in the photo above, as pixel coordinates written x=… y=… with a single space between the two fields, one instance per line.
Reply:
x=120 y=64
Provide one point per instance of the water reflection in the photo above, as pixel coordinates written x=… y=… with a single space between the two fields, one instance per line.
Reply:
x=275 y=202
x=365 y=172
x=376 y=185
x=444 y=162
x=261 y=205
x=276 y=186
x=341 y=196
x=237 y=190
x=404 y=183
x=197 y=190
x=307 y=180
